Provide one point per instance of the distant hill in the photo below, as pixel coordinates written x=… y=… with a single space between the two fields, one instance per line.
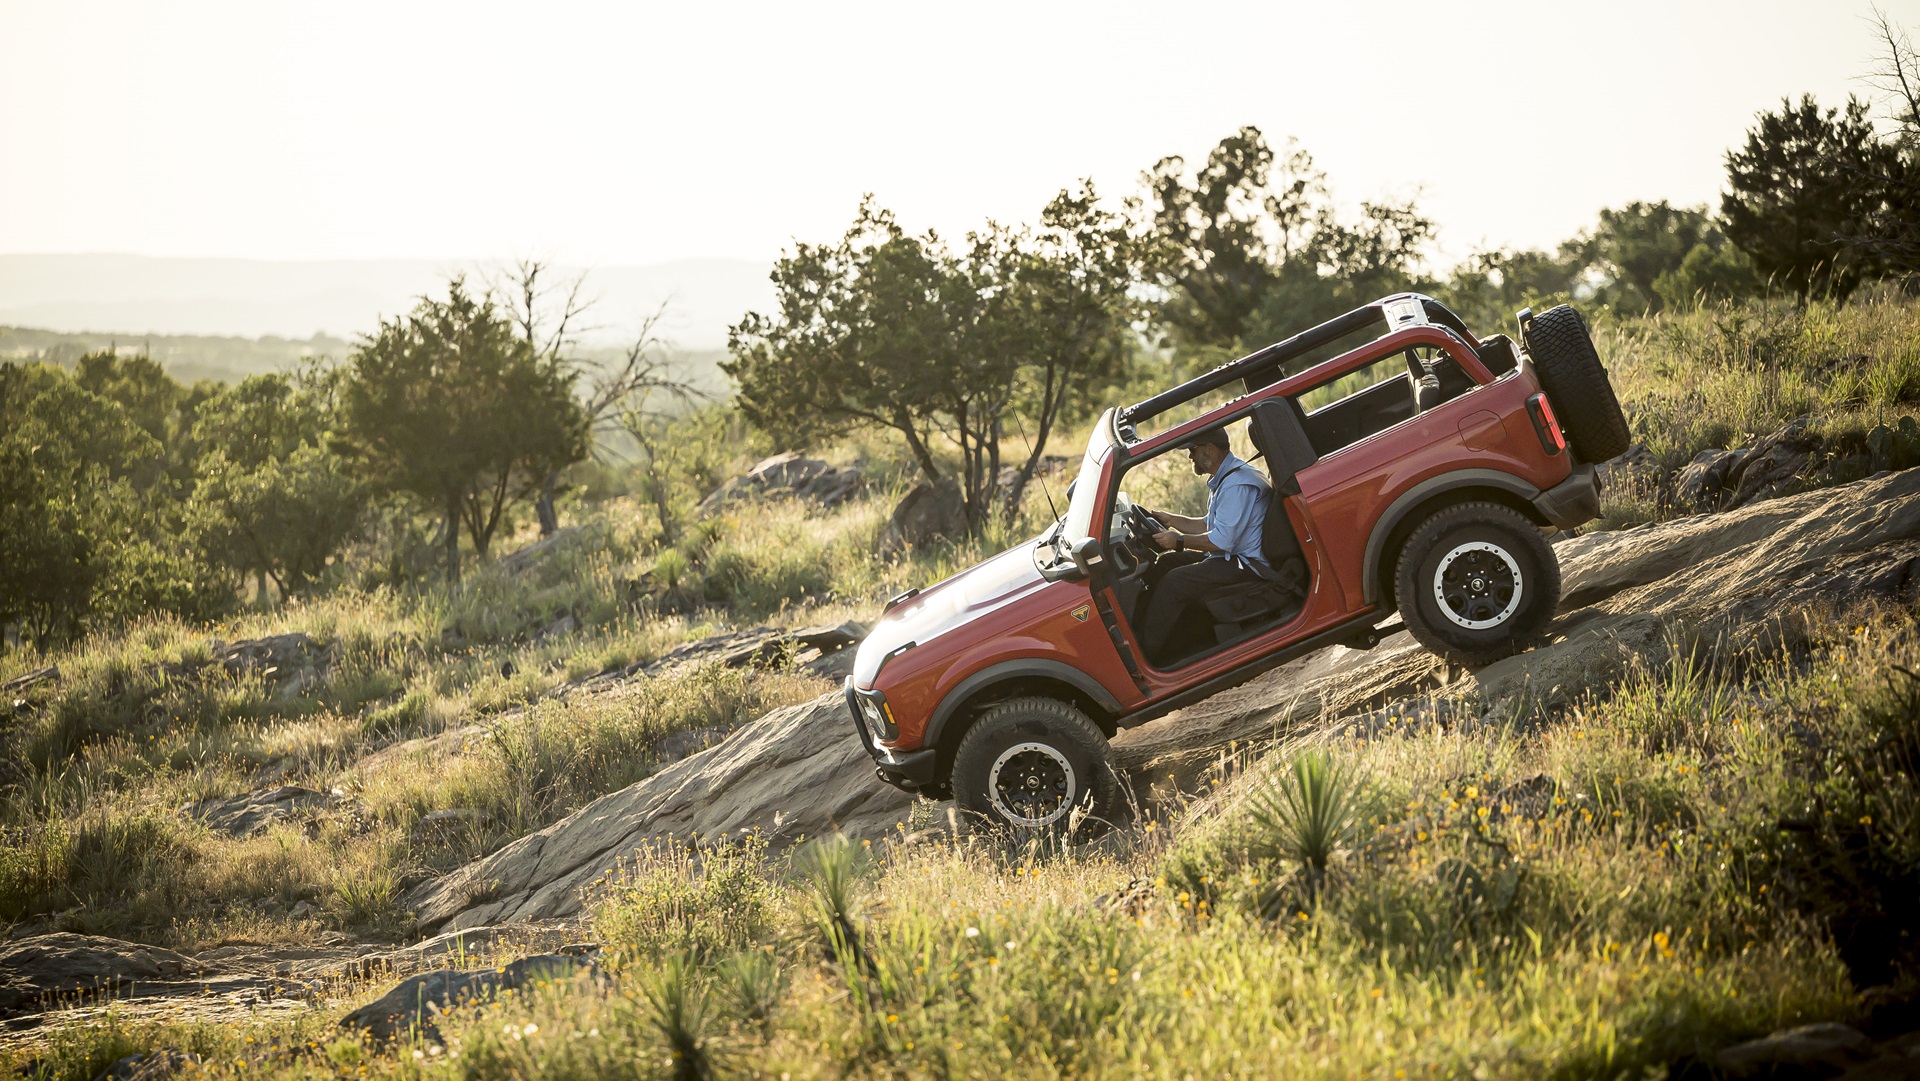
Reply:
x=190 y=357
x=129 y=297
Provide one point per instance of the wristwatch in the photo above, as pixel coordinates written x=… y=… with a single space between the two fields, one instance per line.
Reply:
x=1179 y=542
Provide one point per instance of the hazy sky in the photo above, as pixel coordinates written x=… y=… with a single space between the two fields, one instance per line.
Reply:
x=620 y=133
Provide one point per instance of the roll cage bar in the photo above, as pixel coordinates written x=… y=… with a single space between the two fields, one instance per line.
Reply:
x=1261 y=368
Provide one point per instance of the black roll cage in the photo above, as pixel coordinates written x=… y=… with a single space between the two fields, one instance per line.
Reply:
x=1258 y=369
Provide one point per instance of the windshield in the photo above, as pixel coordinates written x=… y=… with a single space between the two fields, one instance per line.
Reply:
x=1086 y=490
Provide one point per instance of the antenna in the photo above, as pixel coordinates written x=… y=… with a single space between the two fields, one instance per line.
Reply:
x=1040 y=474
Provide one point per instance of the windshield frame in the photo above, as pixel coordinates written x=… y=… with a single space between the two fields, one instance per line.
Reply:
x=1085 y=505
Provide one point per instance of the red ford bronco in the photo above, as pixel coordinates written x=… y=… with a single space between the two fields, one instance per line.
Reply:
x=1419 y=469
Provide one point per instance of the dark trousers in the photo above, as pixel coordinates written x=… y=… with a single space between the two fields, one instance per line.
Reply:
x=1178 y=585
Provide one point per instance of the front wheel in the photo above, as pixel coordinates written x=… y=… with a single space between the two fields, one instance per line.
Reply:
x=1476 y=582
x=1027 y=764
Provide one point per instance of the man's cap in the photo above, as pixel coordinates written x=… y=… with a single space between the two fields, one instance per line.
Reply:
x=1216 y=437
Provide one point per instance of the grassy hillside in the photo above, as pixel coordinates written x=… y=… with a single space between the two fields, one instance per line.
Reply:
x=1591 y=889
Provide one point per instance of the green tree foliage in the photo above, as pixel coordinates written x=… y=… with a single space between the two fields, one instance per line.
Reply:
x=139 y=384
x=1250 y=247
x=887 y=330
x=451 y=405
x=83 y=535
x=1800 y=187
x=1632 y=246
x=1708 y=274
x=1890 y=239
x=271 y=498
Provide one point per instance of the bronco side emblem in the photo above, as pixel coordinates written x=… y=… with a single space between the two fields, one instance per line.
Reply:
x=1080 y=613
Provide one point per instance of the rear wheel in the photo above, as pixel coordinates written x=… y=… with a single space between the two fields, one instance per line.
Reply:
x=1476 y=582
x=1576 y=383
x=1029 y=764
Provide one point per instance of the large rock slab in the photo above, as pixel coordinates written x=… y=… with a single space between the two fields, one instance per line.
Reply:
x=801 y=770
x=38 y=970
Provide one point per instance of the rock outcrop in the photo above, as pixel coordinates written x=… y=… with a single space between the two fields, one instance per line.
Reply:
x=412 y=1004
x=801 y=771
x=253 y=812
x=38 y=970
x=796 y=772
x=788 y=475
x=928 y=513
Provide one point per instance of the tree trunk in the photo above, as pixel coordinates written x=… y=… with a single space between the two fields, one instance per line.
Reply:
x=549 y=521
x=453 y=540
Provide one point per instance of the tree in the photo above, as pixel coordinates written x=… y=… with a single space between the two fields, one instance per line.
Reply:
x=1890 y=236
x=1067 y=297
x=875 y=331
x=1489 y=287
x=1252 y=248
x=271 y=498
x=1632 y=246
x=79 y=540
x=888 y=330
x=450 y=404
x=139 y=384
x=1708 y=274
x=1797 y=190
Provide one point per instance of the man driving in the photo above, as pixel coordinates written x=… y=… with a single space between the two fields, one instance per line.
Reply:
x=1206 y=554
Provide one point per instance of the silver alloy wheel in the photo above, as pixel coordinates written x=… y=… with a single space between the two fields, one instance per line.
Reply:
x=1032 y=785
x=1478 y=585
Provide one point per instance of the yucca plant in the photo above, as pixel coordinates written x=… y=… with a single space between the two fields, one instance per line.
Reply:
x=677 y=1007
x=832 y=869
x=753 y=984
x=1307 y=814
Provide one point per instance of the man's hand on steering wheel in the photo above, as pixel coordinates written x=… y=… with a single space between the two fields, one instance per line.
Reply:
x=1143 y=527
x=1167 y=540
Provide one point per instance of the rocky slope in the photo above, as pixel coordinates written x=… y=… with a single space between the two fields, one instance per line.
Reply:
x=799 y=771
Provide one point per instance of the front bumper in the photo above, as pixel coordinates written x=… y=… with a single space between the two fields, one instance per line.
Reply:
x=1572 y=502
x=911 y=771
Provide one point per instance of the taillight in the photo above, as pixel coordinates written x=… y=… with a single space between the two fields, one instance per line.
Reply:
x=1546 y=425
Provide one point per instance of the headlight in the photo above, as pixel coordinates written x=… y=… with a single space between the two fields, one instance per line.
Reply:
x=873 y=708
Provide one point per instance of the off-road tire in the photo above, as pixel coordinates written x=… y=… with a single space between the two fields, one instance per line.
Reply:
x=1576 y=383
x=1477 y=538
x=1036 y=739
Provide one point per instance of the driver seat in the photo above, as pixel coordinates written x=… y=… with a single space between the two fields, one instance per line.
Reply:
x=1238 y=610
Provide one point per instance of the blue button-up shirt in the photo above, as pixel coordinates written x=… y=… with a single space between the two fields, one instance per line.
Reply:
x=1236 y=510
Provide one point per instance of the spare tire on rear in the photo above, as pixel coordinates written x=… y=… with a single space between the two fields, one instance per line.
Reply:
x=1576 y=383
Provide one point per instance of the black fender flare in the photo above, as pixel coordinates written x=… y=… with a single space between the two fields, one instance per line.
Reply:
x=1021 y=668
x=1396 y=512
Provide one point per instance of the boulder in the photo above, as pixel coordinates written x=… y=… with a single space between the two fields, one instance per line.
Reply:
x=45 y=967
x=1775 y=465
x=929 y=512
x=293 y=661
x=1810 y=1051
x=801 y=771
x=413 y=1003
x=253 y=812
x=1635 y=468
x=1701 y=483
x=787 y=475
x=525 y=559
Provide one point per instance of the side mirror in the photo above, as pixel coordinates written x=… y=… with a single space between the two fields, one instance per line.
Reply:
x=1086 y=554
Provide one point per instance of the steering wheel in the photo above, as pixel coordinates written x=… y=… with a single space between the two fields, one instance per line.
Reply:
x=1141 y=526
